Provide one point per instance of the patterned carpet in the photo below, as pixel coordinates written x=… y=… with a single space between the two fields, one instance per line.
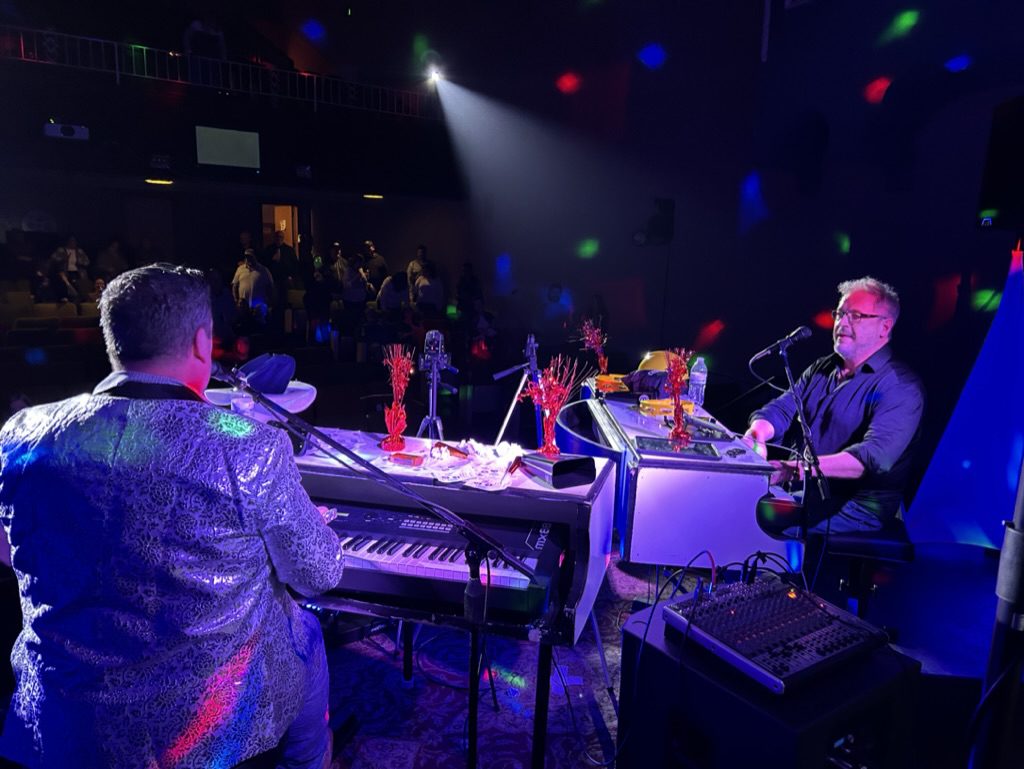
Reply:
x=424 y=726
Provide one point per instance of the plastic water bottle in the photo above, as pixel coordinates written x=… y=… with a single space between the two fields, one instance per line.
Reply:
x=698 y=381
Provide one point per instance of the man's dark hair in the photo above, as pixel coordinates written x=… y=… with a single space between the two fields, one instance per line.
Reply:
x=153 y=311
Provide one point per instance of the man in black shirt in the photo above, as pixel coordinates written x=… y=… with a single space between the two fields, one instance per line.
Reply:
x=864 y=410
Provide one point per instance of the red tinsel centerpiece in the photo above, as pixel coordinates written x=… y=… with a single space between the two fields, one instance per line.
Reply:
x=550 y=393
x=594 y=339
x=398 y=359
x=676 y=378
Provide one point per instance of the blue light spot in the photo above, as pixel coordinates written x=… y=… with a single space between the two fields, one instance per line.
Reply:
x=503 y=285
x=503 y=266
x=652 y=56
x=794 y=554
x=314 y=30
x=35 y=356
x=752 y=205
x=966 y=464
x=958 y=63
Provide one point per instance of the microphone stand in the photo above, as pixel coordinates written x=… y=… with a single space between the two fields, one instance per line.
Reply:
x=809 y=459
x=531 y=372
x=479 y=542
x=435 y=360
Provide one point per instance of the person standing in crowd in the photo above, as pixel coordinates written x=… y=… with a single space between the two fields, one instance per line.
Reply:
x=413 y=270
x=155 y=539
x=68 y=265
x=429 y=291
x=394 y=293
x=283 y=265
x=252 y=288
x=376 y=268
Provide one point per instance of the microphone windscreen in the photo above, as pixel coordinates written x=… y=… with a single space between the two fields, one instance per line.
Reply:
x=269 y=373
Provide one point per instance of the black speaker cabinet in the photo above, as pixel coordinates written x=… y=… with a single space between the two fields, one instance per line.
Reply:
x=686 y=709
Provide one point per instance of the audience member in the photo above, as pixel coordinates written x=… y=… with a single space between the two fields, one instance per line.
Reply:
x=429 y=292
x=414 y=268
x=41 y=286
x=97 y=289
x=68 y=265
x=394 y=293
x=376 y=268
x=317 y=302
x=110 y=262
x=252 y=289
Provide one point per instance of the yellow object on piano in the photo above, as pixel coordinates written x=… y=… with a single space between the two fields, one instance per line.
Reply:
x=610 y=383
x=662 y=407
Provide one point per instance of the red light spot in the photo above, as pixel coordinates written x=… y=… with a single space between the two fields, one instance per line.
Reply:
x=708 y=334
x=568 y=82
x=944 y=301
x=874 y=91
x=1017 y=263
x=823 y=319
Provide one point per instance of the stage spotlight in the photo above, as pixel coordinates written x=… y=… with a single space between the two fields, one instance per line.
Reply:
x=435 y=74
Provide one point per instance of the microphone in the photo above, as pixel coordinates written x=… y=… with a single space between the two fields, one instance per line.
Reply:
x=798 y=335
x=221 y=373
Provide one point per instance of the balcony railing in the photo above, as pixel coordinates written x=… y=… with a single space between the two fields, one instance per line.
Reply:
x=121 y=60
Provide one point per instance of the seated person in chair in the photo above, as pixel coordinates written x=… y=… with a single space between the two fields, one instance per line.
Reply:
x=864 y=411
x=155 y=538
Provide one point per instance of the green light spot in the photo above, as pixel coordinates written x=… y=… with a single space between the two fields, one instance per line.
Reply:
x=420 y=47
x=843 y=242
x=901 y=26
x=988 y=213
x=230 y=424
x=986 y=300
x=588 y=248
x=452 y=311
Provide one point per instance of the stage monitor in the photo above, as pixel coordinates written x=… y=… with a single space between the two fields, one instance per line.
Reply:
x=225 y=147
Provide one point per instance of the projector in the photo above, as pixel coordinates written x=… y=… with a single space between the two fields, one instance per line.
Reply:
x=66 y=131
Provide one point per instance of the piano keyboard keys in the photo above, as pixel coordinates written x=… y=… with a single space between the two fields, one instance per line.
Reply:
x=423 y=559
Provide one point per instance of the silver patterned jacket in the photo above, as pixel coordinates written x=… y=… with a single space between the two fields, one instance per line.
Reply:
x=153 y=540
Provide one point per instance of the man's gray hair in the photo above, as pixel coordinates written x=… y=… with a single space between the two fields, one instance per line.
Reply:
x=882 y=292
x=153 y=311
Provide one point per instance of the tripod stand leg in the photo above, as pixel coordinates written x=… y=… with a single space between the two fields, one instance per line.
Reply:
x=486 y=661
x=511 y=408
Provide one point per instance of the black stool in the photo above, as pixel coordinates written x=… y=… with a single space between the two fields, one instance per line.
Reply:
x=868 y=553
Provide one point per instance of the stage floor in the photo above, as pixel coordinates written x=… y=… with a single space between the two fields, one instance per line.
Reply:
x=942 y=605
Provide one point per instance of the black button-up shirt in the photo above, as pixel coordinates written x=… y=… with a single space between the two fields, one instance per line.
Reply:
x=873 y=414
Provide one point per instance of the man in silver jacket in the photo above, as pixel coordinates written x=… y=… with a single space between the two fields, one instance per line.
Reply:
x=155 y=538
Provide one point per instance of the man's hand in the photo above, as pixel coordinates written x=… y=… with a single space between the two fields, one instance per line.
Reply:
x=757 y=436
x=785 y=472
x=759 y=447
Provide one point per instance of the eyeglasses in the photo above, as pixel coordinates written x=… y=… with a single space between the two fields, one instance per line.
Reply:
x=853 y=315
